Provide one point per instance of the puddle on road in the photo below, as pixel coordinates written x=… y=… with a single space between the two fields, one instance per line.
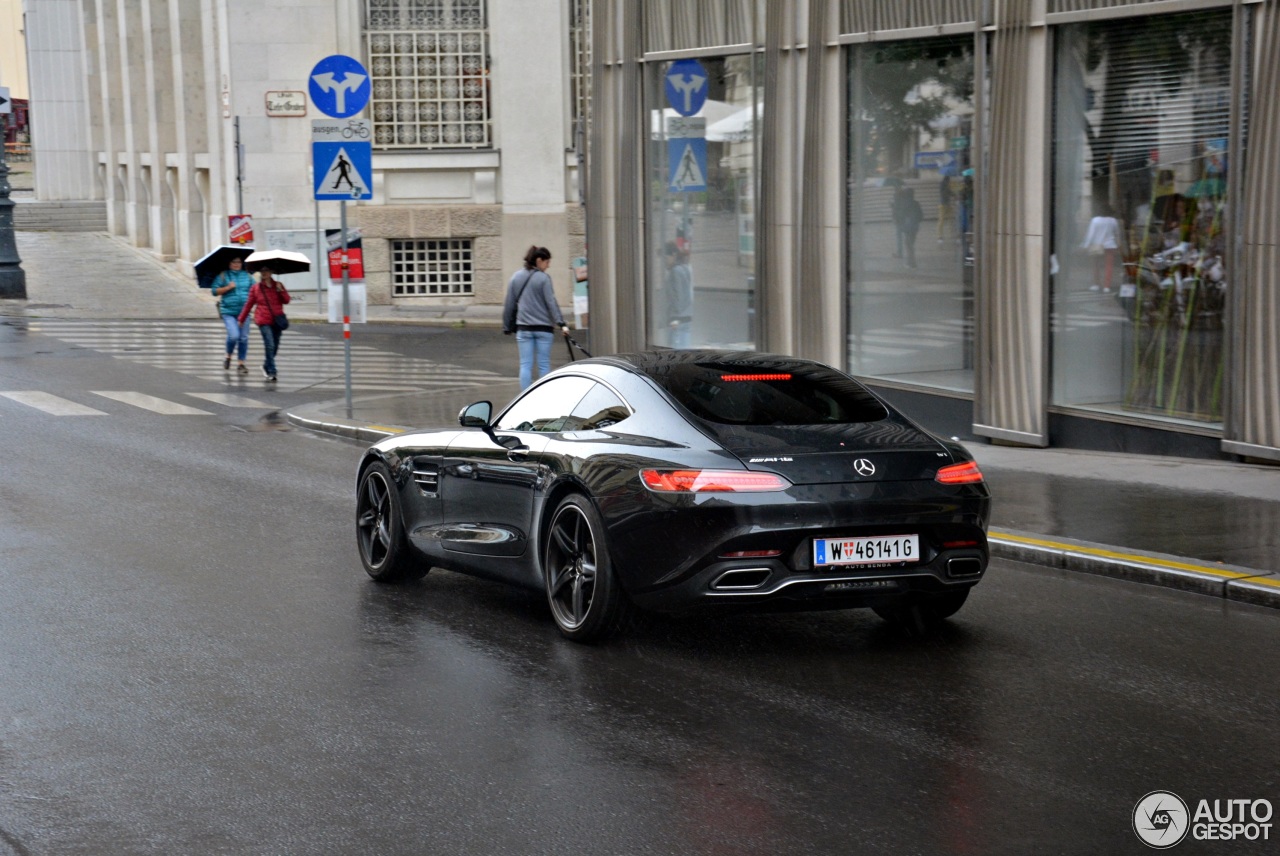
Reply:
x=273 y=421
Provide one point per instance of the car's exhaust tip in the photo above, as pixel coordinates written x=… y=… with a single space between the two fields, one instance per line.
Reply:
x=964 y=567
x=741 y=579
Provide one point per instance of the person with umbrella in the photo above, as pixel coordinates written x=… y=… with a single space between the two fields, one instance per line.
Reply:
x=222 y=272
x=232 y=290
x=266 y=300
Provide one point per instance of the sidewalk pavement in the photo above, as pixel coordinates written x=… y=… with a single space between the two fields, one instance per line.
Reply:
x=1211 y=527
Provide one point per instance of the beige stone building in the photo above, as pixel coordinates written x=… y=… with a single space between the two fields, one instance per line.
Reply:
x=13 y=49
x=179 y=113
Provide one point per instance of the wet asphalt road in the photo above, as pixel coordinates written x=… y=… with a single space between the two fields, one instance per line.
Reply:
x=192 y=661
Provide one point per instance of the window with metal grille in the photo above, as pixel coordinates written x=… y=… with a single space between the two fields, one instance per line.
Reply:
x=431 y=268
x=580 y=76
x=429 y=60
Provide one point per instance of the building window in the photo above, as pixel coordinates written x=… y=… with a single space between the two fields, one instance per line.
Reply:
x=429 y=60
x=701 y=218
x=580 y=77
x=431 y=268
x=911 y=212
x=1140 y=234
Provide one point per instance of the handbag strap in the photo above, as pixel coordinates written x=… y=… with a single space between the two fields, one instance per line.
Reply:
x=270 y=299
x=523 y=285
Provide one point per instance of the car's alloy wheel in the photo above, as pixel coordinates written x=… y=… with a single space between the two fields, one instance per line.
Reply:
x=384 y=549
x=586 y=601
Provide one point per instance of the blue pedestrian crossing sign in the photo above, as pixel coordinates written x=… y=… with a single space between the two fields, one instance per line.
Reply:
x=339 y=86
x=343 y=171
x=687 y=164
x=686 y=85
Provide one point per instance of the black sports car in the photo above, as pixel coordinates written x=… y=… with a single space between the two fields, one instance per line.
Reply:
x=674 y=480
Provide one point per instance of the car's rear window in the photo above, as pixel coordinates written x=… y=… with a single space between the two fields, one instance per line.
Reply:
x=750 y=394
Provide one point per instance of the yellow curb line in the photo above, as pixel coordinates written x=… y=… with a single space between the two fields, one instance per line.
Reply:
x=389 y=429
x=1129 y=557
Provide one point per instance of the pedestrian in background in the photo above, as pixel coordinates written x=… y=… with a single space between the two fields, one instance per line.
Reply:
x=1102 y=243
x=908 y=214
x=531 y=312
x=679 y=294
x=896 y=209
x=946 y=212
x=231 y=287
x=267 y=299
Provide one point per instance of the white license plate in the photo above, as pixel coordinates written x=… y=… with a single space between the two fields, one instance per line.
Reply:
x=878 y=550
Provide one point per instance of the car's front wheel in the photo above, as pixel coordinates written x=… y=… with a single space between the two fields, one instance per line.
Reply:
x=587 y=602
x=384 y=549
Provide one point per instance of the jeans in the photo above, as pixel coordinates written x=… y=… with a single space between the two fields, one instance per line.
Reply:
x=533 y=345
x=680 y=334
x=270 y=344
x=237 y=336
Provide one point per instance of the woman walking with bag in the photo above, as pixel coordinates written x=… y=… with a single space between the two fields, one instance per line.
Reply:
x=531 y=312
x=267 y=300
x=232 y=290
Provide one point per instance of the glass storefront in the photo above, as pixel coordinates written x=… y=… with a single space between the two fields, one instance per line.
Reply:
x=1140 y=267
x=910 y=215
x=701 y=207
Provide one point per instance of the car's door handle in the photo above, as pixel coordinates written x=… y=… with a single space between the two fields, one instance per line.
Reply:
x=518 y=455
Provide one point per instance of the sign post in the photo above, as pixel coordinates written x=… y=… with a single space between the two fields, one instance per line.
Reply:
x=13 y=279
x=340 y=88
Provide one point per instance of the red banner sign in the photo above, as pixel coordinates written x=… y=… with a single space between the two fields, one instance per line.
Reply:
x=355 y=263
x=240 y=228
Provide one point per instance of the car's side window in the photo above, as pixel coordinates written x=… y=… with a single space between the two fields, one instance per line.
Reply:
x=598 y=409
x=547 y=407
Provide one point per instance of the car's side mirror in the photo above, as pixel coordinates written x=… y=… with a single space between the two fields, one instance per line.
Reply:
x=476 y=415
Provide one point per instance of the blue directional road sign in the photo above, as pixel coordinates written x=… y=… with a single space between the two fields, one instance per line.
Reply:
x=343 y=171
x=687 y=162
x=339 y=86
x=686 y=86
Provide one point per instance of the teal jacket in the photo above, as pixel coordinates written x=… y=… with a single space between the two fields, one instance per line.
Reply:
x=233 y=301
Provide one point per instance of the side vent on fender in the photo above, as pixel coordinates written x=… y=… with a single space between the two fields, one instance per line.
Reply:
x=427 y=476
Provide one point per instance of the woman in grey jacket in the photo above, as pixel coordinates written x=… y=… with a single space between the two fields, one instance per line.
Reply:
x=532 y=314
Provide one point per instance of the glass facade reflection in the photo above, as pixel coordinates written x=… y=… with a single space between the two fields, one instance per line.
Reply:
x=701 y=212
x=1141 y=268
x=910 y=215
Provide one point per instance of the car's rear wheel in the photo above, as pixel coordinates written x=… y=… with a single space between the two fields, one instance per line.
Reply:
x=587 y=602
x=384 y=549
x=923 y=610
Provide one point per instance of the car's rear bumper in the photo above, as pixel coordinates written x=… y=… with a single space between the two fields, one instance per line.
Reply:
x=771 y=584
x=684 y=559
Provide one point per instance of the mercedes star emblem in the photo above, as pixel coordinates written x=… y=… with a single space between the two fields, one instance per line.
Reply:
x=863 y=467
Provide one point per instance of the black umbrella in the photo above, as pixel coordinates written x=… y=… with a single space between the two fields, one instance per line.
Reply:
x=218 y=260
x=280 y=261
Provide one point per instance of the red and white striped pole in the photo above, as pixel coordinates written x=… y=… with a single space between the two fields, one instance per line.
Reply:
x=346 y=306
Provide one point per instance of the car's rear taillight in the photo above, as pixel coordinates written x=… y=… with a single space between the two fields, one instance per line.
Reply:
x=712 y=481
x=751 y=554
x=965 y=473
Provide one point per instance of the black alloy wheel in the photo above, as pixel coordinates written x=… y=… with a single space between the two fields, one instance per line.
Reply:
x=587 y=602
x=384 y=550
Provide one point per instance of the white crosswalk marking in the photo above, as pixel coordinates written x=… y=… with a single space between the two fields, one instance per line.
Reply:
x=152 y=403
x=306 y=360
x=51 y=404
x=228 y=400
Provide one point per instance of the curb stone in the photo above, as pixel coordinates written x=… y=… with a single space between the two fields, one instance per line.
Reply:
x=1231 y=582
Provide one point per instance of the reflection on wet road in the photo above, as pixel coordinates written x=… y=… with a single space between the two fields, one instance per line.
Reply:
x=193 y=662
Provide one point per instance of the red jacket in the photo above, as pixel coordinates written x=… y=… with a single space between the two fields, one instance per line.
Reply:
x=266 y=303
